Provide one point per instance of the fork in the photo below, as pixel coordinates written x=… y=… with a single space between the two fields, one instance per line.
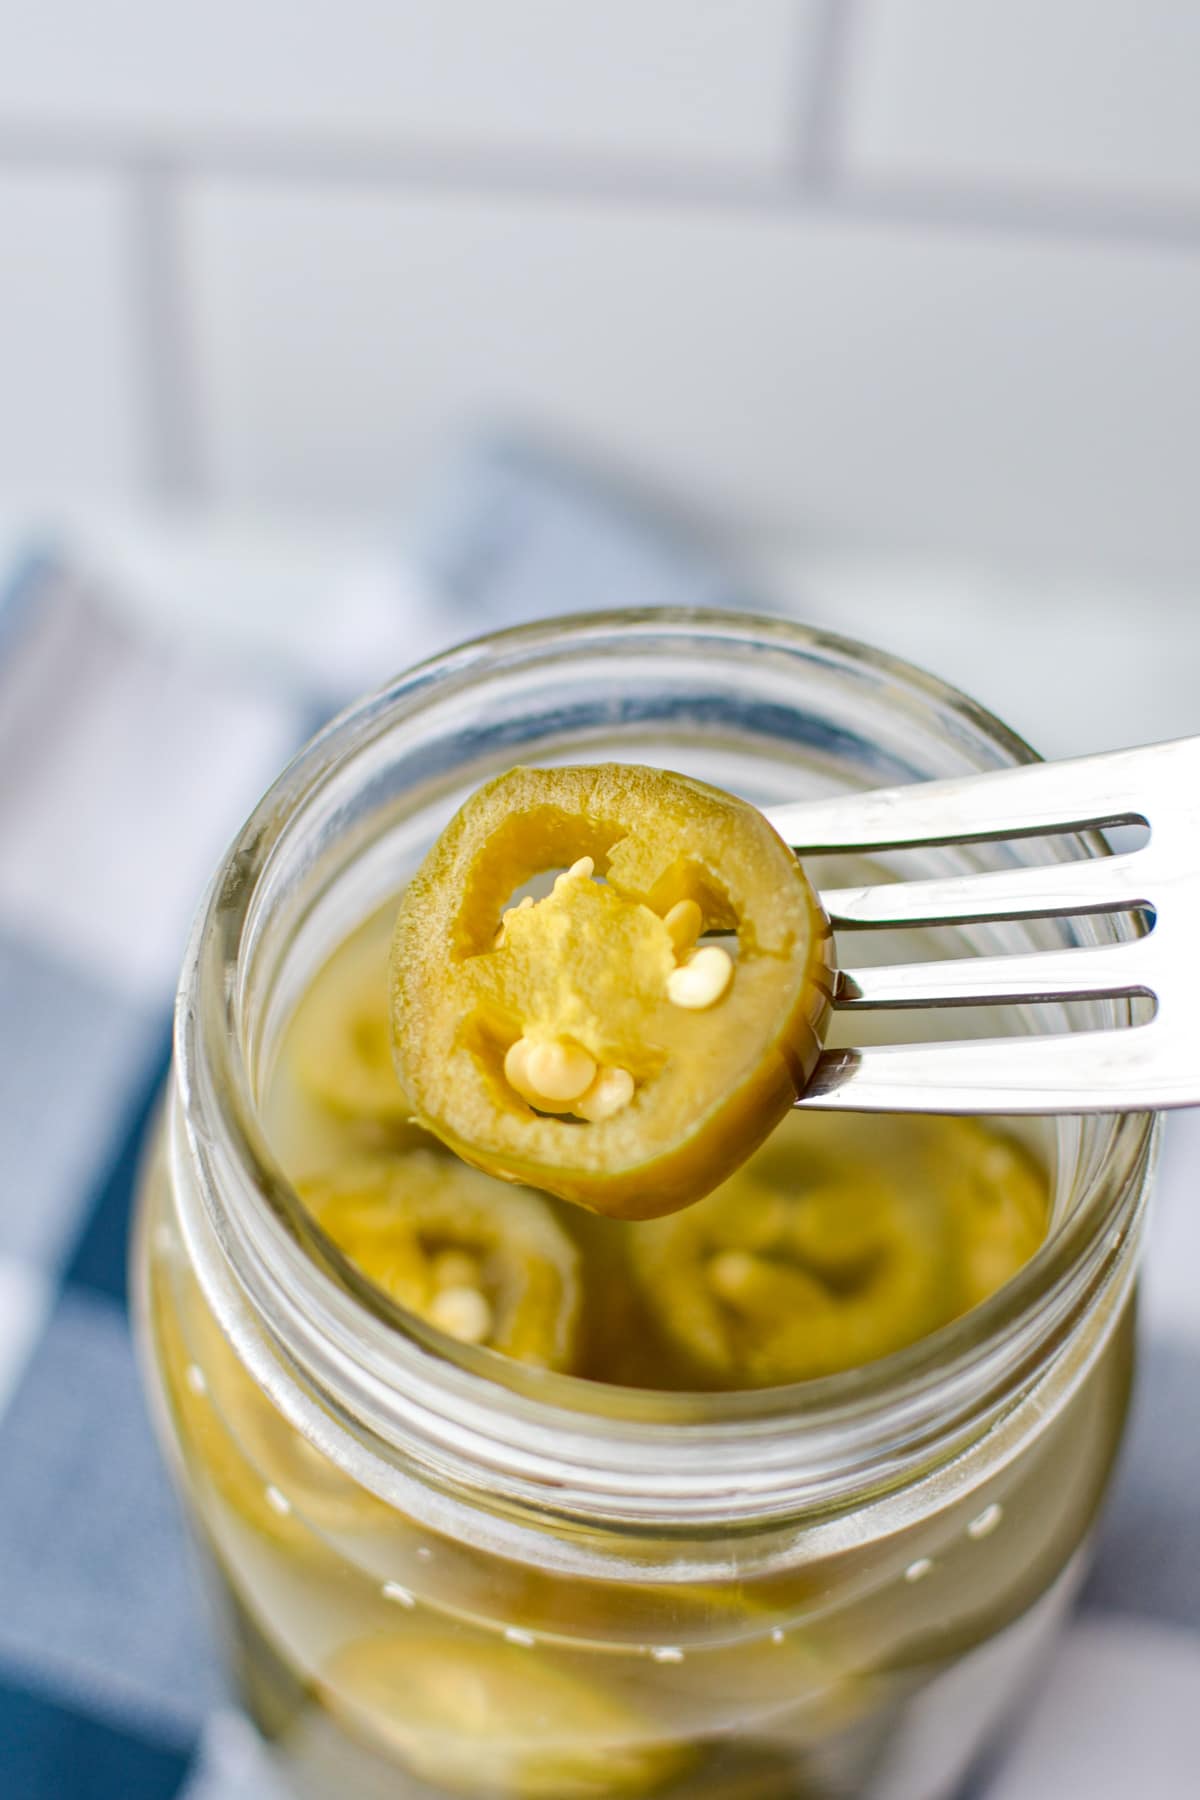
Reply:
x=1122 y=1069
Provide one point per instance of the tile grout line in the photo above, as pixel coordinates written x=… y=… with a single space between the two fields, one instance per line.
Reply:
x=1069 y=215
x=821 y=95
x=468 y=167
x=172 y=463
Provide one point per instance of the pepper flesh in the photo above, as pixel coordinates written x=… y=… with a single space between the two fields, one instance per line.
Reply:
x=274 y=1479
x=422 y=1226
x=485 y=1718
x=587 y=968
x=841 y=1241
x=343 y=1040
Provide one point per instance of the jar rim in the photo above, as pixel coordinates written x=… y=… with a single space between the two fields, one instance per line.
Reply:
x=474 y=1409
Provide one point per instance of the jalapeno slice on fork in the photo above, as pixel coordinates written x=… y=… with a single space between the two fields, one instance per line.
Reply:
x=591 y=1042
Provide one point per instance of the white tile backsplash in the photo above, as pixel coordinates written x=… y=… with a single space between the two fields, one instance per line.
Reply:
x=887 y=382
x=1073 y=664
x=912 y=276
x=1098 y=96
x=70 y=395
x=699 y=81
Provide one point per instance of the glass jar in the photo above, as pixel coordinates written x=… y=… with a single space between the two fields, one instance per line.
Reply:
x=438 y=1572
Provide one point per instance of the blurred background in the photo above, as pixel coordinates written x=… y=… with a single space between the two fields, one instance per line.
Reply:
x=333 y=331
x=901 y=300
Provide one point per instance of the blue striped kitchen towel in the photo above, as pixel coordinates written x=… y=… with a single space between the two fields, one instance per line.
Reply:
x=124 y=767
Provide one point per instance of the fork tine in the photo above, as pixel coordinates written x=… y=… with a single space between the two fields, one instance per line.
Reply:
x=1090 y=973
x=1131 y=1069
x=1093 y=884
x=1135 y=1067
x=1028 y=801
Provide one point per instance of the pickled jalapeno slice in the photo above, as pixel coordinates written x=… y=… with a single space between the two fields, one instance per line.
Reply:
x=485 y=1262
x=490 y=1719
x=264 y=1469
x=999 y=1201
x=590 y=1042
x=843 y=1239
x=342 y=1037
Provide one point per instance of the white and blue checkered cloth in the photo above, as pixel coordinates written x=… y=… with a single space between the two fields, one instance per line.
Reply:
x=124 y=768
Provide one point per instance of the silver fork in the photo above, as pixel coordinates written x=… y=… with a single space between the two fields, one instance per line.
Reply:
x=1128 y=1068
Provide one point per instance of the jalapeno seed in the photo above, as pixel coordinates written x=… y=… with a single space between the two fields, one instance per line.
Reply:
x=684 y=923
x=463 y=1313
x=608 y=1095
x=581 y=870
x=498 y=940
x=456 y=1268
x=549 y=1074
x=700 y=982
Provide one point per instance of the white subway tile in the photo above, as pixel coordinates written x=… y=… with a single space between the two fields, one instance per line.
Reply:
x=951 y=390
x=700 y=80
x=1098 y=96
x=69 y=393
x=1132 y=649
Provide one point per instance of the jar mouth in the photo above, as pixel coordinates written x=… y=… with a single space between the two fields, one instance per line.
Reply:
x=392 y=1376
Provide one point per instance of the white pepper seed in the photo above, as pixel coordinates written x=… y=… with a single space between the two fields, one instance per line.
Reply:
x=463 y=1313
x=582 y=870
x=609 y=1094
x=702 y=980
x=455 y=1268
x=559 y=1071
x=550 y=1074
x=683 y=923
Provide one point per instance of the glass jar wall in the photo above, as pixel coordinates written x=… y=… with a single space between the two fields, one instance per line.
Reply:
x=438 y=1572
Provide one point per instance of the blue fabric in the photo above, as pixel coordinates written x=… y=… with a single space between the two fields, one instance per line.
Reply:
x=49 y=1749
x=100 y=1259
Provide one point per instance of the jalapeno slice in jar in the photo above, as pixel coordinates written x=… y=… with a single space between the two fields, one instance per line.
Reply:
x=485 y=1262
x=342 y=1040
x=271 y=1476
x=842 y=1240
x=491 y=1719
x=587 y=1042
